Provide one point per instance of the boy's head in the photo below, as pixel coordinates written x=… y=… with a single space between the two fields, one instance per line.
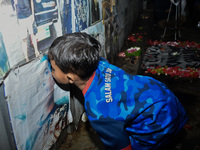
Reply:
x=76 y=53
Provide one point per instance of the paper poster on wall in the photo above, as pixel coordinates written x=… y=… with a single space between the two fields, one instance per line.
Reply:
x=27 y=27
x=81 y=11
x=37 y=106
x=11 y=33
x=47 y=22
x=4 y=64
x=45 y=11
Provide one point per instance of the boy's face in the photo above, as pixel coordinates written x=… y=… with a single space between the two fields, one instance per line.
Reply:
x=66 y=78
x=58 y=74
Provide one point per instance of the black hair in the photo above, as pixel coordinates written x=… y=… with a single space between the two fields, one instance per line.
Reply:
x=76 y=53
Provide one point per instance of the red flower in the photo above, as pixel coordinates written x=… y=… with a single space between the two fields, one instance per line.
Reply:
x=195 y=74
x=153 y=72
x=140 y=37
x=149 y=70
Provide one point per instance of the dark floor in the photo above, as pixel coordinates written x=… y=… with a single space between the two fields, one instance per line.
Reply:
x=187 y=90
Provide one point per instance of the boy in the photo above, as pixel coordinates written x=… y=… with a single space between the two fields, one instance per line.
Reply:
x=127 y=111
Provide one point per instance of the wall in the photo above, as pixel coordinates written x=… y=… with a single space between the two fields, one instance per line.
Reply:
x=27 y=30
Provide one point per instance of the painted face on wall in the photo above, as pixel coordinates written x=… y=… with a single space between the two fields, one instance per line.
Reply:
x=58 y=74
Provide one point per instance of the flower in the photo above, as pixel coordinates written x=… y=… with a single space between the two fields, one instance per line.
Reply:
x=133 y=51
x=136 y=37
x=174 y=71
x=185 y=44
x=122 y=54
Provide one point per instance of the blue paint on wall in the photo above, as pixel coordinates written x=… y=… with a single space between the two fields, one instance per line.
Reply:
x=4 y=64
x=21 y=116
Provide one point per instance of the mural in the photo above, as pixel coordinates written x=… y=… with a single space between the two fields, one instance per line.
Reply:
x=38 y=108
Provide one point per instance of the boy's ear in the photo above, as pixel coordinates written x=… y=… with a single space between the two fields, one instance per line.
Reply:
x=70 y=77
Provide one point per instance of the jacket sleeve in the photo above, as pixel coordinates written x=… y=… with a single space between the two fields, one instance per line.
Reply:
x=112 y=133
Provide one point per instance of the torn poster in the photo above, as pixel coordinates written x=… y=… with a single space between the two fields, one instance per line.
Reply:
x=37 y=106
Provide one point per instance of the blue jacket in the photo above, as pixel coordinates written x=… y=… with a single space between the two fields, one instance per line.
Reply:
x=131 y=111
